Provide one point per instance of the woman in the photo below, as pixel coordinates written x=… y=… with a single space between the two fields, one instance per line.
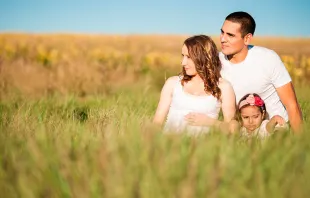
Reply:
x=193 y=99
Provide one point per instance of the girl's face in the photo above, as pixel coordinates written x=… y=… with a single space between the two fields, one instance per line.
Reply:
x=188 y=63
x=251 y=117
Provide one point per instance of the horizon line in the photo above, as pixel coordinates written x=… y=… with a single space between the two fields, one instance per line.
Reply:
x=137 y=34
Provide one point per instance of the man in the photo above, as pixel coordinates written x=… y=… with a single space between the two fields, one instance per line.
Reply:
x=254 y=69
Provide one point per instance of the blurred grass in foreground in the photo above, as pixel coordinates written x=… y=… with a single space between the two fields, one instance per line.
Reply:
x=75 y=121
x=107 y=147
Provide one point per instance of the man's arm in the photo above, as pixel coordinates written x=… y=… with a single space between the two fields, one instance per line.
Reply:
x=288 y=98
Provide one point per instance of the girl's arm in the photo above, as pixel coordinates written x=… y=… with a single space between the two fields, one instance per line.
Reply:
x=273 y=122
x=165 y=100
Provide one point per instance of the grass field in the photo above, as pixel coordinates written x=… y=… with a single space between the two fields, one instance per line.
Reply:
x=75 y=121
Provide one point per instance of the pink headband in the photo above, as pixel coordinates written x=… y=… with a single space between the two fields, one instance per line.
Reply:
x=251 y=100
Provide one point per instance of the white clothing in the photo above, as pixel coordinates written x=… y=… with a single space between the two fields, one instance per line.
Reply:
x=183 y=103
x=261 y=132
x=261 y=72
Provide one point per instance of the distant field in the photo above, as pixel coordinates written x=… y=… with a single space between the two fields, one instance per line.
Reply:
x=37 y=65
x=75 y=121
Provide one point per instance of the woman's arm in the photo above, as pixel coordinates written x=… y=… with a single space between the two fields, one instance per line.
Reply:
x=165 y=100
x=228 y=100
x=228 y=108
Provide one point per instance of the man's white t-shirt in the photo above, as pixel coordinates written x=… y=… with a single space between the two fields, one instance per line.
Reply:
x=261 y=72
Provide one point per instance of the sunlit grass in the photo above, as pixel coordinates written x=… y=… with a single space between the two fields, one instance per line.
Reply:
x=107 y=147
x=40 y=65
x=75 y=121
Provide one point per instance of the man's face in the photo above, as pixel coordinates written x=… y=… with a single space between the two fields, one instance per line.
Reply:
x=231 y=39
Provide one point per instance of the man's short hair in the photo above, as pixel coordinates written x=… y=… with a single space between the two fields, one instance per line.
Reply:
x=245 y=20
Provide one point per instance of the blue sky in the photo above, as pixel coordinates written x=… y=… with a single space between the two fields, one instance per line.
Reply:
x=274 y=18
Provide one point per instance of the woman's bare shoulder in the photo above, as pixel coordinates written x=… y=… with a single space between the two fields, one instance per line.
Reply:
x=172 y=80
x=224 y=84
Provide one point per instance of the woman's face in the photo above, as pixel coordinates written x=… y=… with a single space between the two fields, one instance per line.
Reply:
x=188 y=63
x=251 y=117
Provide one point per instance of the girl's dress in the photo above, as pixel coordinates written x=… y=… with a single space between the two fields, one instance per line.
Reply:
x=260 y=133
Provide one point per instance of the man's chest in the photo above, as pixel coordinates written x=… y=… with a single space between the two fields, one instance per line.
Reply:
x=247 y=80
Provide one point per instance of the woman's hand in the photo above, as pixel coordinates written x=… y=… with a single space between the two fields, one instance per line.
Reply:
x=199 y=119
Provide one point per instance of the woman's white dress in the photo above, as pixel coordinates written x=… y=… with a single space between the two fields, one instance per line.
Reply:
x=183 y=103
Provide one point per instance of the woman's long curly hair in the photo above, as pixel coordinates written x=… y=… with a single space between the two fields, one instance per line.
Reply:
x=203 y=51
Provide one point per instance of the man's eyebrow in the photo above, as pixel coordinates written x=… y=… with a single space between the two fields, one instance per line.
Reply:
x=230 y=34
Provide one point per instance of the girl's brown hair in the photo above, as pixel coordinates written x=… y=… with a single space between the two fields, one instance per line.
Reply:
x=261 y=107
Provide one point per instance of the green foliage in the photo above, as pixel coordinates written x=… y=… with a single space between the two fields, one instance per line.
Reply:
x=75 y=121
x=106 y=146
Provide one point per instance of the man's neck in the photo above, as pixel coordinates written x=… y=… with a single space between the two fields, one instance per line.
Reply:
x=239 y=57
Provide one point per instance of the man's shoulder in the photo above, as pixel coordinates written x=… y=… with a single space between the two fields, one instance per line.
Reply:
x=261 y=50
x=223 y=60
x=221 y=56
x=263 y=56
x=254 y=51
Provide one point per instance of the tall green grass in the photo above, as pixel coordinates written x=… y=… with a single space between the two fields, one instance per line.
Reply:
x=106 y=146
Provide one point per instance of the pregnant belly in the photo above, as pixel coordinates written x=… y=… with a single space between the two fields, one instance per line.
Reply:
x=177 y=124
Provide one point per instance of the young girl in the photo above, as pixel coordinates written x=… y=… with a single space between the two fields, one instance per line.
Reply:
x=191 y=102
x=252 y=111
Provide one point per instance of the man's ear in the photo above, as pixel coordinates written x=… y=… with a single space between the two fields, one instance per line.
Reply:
x=248 y=39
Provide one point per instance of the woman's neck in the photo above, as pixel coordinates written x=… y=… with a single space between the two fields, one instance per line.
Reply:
x=196 y=79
